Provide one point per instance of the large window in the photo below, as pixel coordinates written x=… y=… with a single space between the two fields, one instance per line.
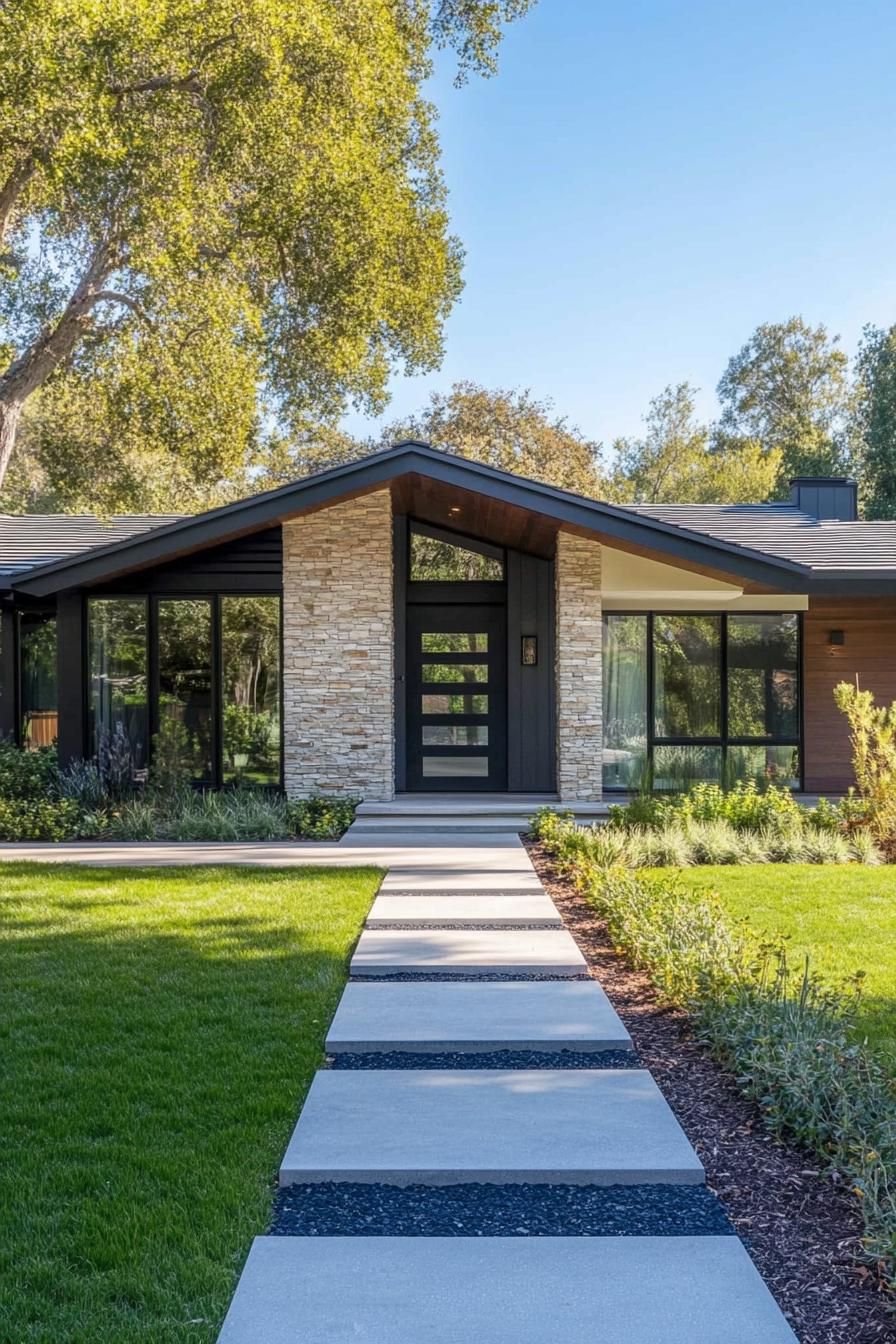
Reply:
x=184 y=633
x=197 y=677
x=250 y=666
x=117 y=660
x=37 y=661
x=700 y=697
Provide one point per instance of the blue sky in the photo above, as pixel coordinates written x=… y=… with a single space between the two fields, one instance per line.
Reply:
x=645 y=182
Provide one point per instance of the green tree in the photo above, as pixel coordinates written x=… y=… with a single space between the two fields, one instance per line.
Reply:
x=511 y=430
x=681 y=461
x=249 y=191
x=788 y=389
x=875 y=421
x=508 y=429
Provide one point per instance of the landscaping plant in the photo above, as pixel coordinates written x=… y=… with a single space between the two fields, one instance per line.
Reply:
x=872 y=735
x=789 y=1039
x=100 y=799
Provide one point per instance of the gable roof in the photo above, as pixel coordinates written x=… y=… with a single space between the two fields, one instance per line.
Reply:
x=742 y=540
x=823 y=544
x=32 y=539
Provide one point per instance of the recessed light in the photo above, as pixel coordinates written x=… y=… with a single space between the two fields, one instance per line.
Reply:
x=454 y=509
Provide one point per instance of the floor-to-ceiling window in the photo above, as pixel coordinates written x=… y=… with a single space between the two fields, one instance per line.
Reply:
x=250 y=682
x=183 y=631
x=195 y=677
x=691 y=697
x=37 y=679
x=117 y=676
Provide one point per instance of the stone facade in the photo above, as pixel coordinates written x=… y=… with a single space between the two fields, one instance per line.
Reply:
x=579 y=671
x=338 y=650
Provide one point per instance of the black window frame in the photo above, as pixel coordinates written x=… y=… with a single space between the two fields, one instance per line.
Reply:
x=723 y=740
x=152 y=600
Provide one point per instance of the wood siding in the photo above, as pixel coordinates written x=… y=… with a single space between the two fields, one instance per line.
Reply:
x=869 y=652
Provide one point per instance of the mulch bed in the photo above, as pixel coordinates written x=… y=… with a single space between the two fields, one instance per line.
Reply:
x=800 y=1229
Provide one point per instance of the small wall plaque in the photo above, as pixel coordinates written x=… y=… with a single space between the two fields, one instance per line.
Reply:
x=529 y=656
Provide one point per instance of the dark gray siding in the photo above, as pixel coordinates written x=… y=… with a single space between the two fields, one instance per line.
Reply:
x=249 y=564
x=530 y=690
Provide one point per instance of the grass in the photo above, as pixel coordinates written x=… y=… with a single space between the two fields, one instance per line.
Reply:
x=844 y=917
x=158 y=1029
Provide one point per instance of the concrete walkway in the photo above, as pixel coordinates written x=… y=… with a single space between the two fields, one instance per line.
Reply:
x=429 y=1124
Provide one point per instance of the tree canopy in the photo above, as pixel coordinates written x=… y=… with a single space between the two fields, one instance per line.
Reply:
x=509 y=429
x=788 y=389
x=238 y=203
x=681 y=461
x=875 y=421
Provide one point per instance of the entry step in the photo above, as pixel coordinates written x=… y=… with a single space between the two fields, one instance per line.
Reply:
x=468 y=952
x=451 y=1126
x=440 y=1018
x=497 y=912
x=503 y=1290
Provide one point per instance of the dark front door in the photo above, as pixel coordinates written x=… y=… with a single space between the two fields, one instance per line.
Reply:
x=457 y=698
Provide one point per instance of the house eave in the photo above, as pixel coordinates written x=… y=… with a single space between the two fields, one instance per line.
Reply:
x=605 y=521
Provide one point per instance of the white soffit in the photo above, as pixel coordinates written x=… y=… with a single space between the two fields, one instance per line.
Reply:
x=629 y=582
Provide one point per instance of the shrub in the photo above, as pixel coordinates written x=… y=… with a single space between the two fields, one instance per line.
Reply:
x=872 y=734
x=28 y=774
x=39 y=819
x=320 y=817
x=171 y=773
x=115 y=761
x=82 y=782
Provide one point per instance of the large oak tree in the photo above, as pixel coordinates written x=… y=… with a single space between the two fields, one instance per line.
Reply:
x=233 y=204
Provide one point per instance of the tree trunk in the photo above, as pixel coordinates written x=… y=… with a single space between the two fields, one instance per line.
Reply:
x=10 y=411
x=32 y=369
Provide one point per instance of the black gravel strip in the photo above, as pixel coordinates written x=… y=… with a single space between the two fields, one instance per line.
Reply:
x=442 y=975
x=337 y=1209
x=489 y=1059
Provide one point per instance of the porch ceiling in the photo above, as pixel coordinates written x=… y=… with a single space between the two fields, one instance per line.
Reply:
x=475 y=514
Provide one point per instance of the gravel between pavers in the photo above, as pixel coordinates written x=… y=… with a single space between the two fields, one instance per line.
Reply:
x=798 y=1226
x=349 y=1209
x=488 y=1059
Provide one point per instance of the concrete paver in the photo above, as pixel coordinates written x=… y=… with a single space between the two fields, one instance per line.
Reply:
x=459 y=911
x=447 y=1126
x=550 y=952
x=502 y=1290
x=437 y=1017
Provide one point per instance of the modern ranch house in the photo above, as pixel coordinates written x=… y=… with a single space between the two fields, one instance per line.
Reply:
x=417 y=623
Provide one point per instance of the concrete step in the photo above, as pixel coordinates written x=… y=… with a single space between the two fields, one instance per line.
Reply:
x=457 y=824
x=450 y=1126
x=445 y=813
x=438 y=1018
x=462 y=911
x=502 y=1290
x=468 y=952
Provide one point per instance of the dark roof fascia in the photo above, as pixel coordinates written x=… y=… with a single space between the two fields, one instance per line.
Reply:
x=852 y=583
x=249 y=515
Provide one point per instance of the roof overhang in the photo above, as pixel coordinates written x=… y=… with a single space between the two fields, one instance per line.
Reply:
x=552 y=509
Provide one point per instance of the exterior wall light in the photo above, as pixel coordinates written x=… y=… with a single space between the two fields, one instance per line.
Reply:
x=529 y=651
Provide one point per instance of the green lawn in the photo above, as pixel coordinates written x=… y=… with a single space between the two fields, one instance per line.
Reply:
x=158 y=1031
x=844 y=917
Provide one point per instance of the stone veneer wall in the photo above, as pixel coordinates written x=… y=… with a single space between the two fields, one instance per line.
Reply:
x=579 y=671
x=338 y=650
